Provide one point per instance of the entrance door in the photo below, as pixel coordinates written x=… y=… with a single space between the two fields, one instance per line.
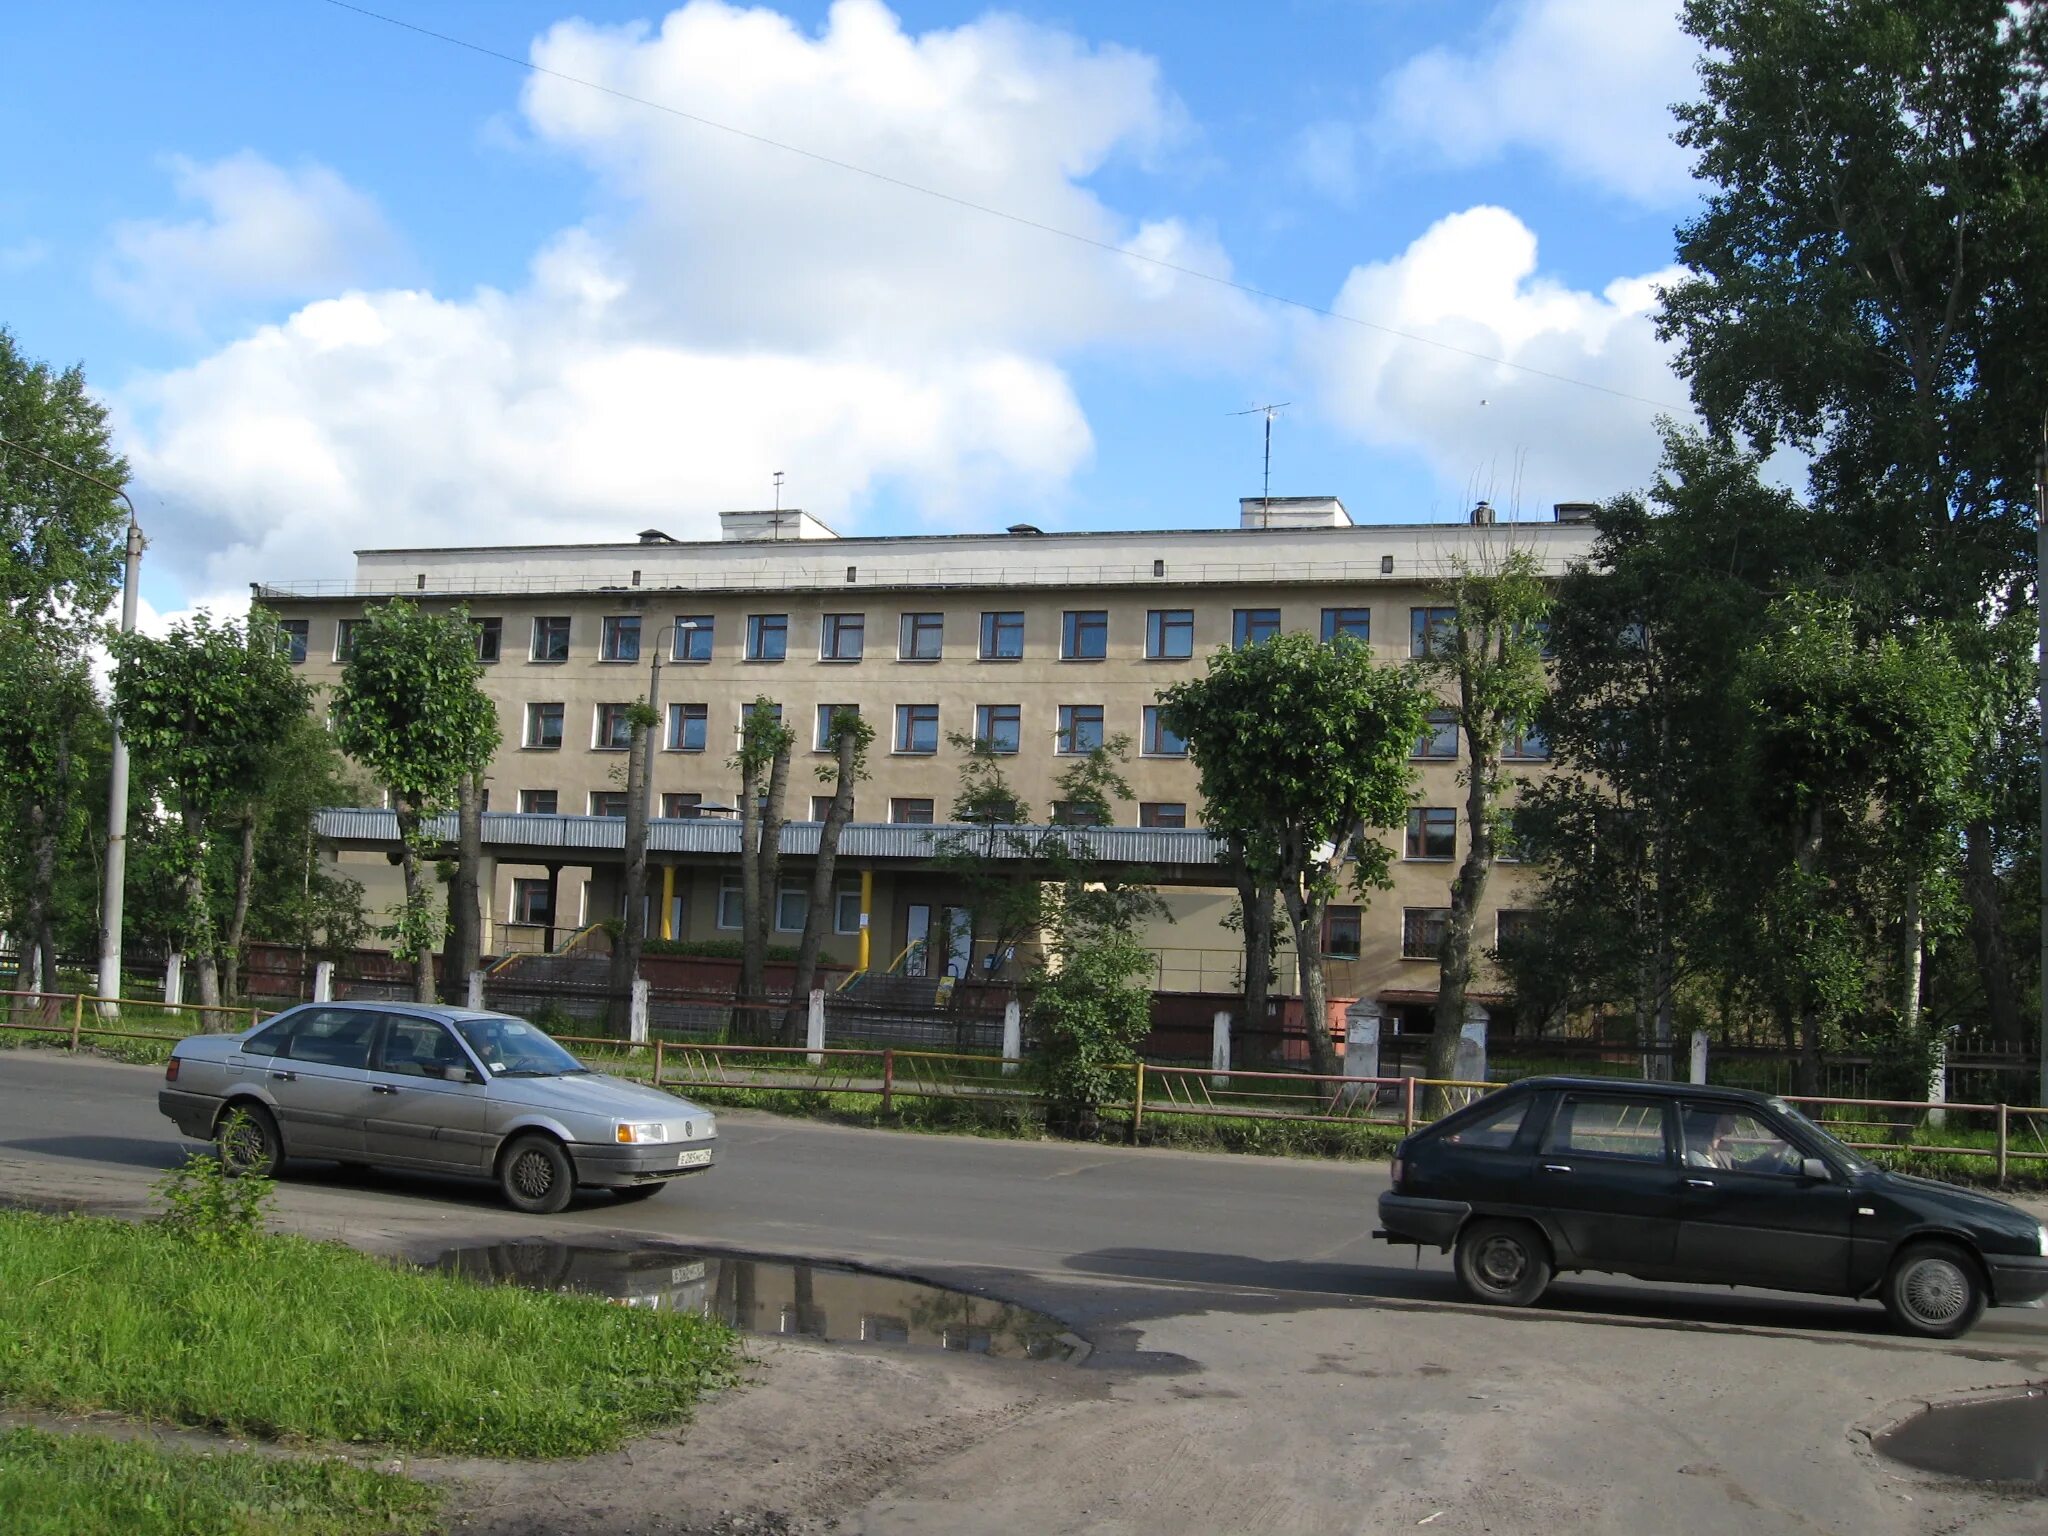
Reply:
x=959 y=941
x=917 y=933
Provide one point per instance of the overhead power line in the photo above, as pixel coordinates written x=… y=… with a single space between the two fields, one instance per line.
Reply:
x=993 y=212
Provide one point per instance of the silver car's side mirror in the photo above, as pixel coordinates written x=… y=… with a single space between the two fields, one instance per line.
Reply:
x=460 y=1074
x=1814 y=1168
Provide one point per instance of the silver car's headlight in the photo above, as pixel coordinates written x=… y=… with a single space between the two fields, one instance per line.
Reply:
x=635 y=1131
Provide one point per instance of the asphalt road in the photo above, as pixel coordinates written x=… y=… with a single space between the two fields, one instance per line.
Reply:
x=1042 y=1223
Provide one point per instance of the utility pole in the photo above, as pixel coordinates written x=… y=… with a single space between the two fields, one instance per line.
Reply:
x=116 y=883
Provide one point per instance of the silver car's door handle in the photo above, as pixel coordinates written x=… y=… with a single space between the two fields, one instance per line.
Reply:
x=1557 y=1167
x=1700 y=1183
x=382 y=1088
x=286 y=1077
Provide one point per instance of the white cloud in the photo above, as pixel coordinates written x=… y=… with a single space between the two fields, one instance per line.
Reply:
x=733 y=310
x=265 y=235
x=1471 y=281
x=1588 y=83
x=23 y=255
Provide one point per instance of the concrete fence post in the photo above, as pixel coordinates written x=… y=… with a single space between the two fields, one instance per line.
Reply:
x=1013 y=1036
x=174 y=980
x=636 y=1016
x=1699 y=1056
x=1361 y=1048
x=1219 y=1047
x=816 y=1031
x=323 y=982
x=1472 y=1045
x=476 y=990
x=1937 y=1080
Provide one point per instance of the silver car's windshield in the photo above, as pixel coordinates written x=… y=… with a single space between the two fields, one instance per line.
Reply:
x=1854 y=1163
x=515 y=1048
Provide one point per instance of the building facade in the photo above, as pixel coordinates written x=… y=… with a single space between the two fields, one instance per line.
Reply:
x=1042 y=645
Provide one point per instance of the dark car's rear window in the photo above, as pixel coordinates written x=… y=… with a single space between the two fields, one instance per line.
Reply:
x=1493 y=1132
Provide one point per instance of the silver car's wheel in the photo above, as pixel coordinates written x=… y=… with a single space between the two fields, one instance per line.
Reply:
x=248 y=1141
x=536 y=1175
x=1934 y=1290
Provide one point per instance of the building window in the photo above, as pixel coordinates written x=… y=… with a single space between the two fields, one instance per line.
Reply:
x=917 y=728
x=1162 y=813
x=1422 y=932
x=1439 y=738
x=293 y=634
x=999 y=727
x=1002 y=636
x=731 y=908
x=1343 y=932
x=608 y=802
x=1527 y=745
x=689 y=727
x=921 y=637
x=1080 y=728
x=1432 y=632
x=824 y=742
x=490 y=638
x=621 y=638
x=1084 y=635
x=911 y=813
x=532 y=903
x=1159 y=741
x=1071 y=813
x=1512 y=928
x=1253 y=626
x=538 y=802
x=681 y=806
x=846 y=908
x=544 y=725
x=693 y=637
x=1169 y=634
x=821 y=807
x=843 y=637
x=767 y=636
x=551 y=639
x=345 y=632
x=1355 y=622
x=614 y=727
x=1432 y=832
x=791 y=903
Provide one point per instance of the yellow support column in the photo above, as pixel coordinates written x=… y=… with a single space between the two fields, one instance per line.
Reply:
x=668 y=901
x=867 y=902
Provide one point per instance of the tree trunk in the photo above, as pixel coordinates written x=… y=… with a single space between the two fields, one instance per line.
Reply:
x=415 y=900
x=1914 y=942
x=1255 y=906
x=238 y=920
x=1987 y=934
x=625 y=966
x=771 y=853
x=34 y=918
x=1305 y=917
x=1806 y=1076
x=1455 y=960
x=818 y=916
x=752 y=941
x=469 y=864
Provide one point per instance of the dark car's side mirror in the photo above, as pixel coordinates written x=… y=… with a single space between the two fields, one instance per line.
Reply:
x=1813 y=1168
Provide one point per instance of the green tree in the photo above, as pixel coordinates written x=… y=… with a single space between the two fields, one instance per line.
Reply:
x=410 y=709
x=52 y=730
x=1005 y=895
x=1489 y=659
x=1302 y=751
x=1092 y=1007
x=642 y=718
x=851 y=737
x=763 y=764
x=204 y=708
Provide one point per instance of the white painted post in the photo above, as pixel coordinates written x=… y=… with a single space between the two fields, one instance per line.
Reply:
x=1219 y=1047
x=1937 y=1080
x=816 y=1031
x=323 y=982
x=636 y=1014
x=476 y=990
x=1699 y=1056
x=1361 y=1047
x=1472 y=1045
x=1013 y=1036
x=174 y=980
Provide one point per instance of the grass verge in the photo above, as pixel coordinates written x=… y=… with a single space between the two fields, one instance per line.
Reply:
x=89 y=1485
x=292 y=1339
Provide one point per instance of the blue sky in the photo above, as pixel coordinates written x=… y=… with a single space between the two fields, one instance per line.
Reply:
x=346 y=285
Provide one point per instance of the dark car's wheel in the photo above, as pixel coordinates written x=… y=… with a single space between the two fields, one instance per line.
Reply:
x=536 y=1175
x=248 y=1141
x=640 y=1191
x=1934 y=1290
x=1503 y=1262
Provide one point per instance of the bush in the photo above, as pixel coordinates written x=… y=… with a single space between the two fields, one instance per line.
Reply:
x=212 y=1208
x=1091 y=1013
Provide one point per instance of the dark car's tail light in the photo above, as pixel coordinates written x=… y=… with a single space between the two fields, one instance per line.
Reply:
x=1397 y=1175
x=171 y=1070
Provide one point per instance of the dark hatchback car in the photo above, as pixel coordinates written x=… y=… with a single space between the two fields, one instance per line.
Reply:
x=1667 y=1181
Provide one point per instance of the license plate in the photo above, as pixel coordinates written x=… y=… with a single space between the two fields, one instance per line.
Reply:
x=692 y=1159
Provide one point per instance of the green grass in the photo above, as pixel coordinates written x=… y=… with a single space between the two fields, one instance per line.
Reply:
x=301 y=1340
x=88 y=1485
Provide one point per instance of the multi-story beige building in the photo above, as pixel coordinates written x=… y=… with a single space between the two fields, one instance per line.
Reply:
x=1041 y=644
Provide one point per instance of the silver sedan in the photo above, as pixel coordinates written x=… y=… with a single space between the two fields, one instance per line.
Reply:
x=449 y=1090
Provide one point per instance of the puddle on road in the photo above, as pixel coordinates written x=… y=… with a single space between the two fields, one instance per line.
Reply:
x=820 y=1302
x=2003 y=1440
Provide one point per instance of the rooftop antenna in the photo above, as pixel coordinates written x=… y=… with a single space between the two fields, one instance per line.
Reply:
x=1266 y=487
x=778 y=490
